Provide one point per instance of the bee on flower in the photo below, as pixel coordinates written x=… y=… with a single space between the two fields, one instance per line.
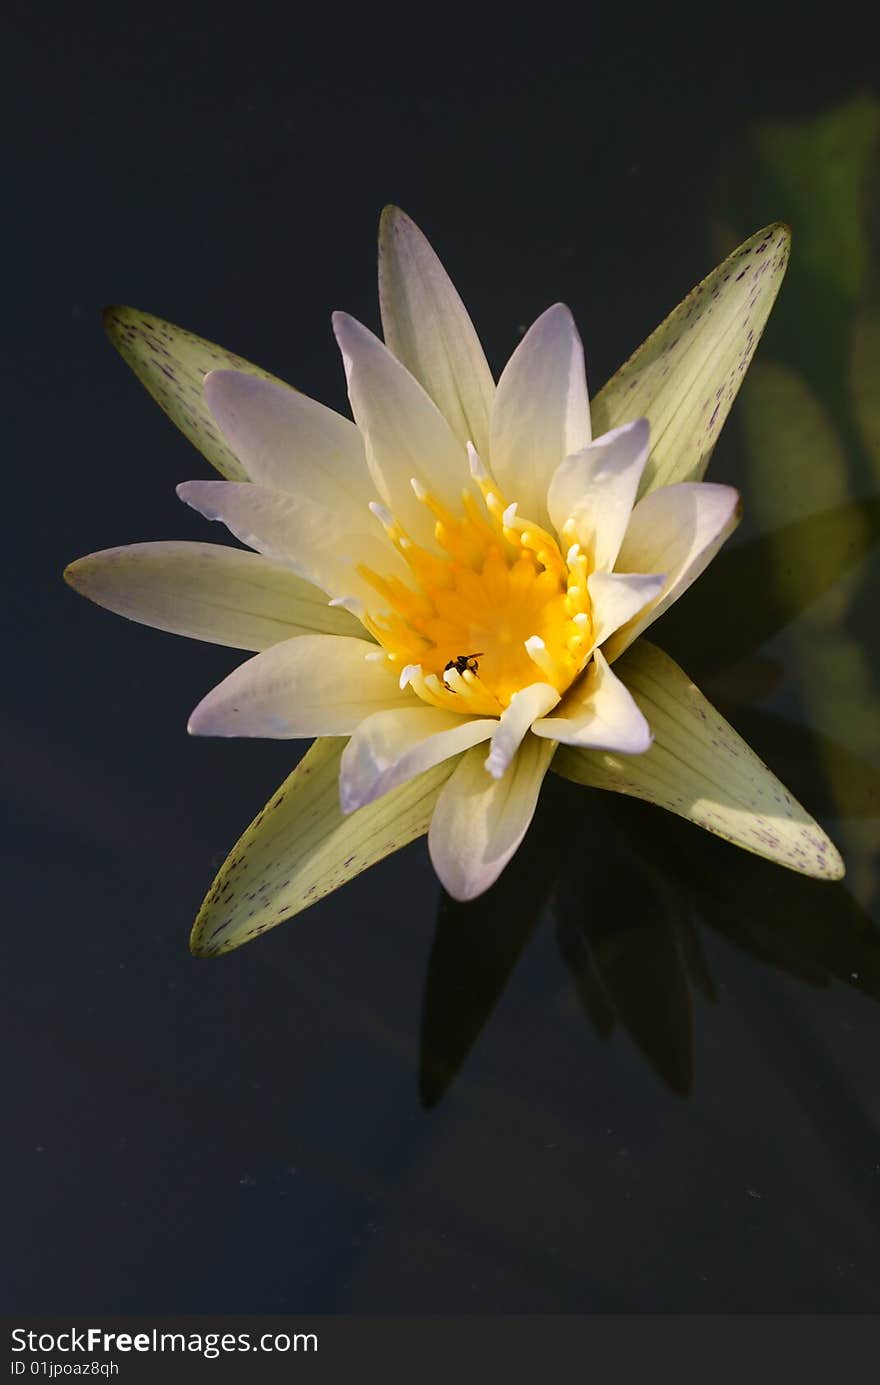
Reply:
x=456 y=581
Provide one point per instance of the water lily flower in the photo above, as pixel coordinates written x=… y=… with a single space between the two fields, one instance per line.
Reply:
x=450 y=591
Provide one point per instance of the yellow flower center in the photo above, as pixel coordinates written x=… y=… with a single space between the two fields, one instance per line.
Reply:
x=497 y=609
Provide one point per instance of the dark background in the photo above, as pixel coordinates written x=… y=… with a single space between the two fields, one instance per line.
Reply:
x=659 y=1090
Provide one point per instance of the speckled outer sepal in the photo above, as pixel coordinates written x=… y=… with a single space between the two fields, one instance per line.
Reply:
x=171 y=363
x=302 y=847
x=699 y=768
x=685 y=377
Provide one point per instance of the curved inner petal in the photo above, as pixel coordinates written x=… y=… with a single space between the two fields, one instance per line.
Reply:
x=312 y=685
x=677 y=530
x=479 y=821
x=599 y=713
x=541 y=412
x=310 y=538
x=392 y=746
x=289 y=442
x=525 y=706
x=593 y=491
x=618 y=597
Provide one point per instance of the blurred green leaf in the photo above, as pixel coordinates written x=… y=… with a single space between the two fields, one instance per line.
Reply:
x=819 y=167
x=765 y=584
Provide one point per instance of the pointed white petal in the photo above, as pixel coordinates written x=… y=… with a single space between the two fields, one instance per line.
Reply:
x=677 y=531
x=617 y=597
x=593 y=491
x=701 y=769
x=479 y=821
x=427 y=327
x=541 y=412
x=209 y=592
x=288 y=442
x=296 y=531
x=301 y=847
x=171 y=364
x=600 y=713
x=508 y=733
x=406 y=436
x=684 y=378
x=317 y=685
x=388 y=748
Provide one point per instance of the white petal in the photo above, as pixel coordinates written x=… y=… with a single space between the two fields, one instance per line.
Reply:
x=678 y=531
x=388 y=748
x=296 y=531
x=527 y=704
x=427 y=327
x=593 y=491
x=289 y=442
x=600 y=713
x=541 y=412
x=618 y=596
x=479 y=821
x=406 y=436
x=209 y=592
x=317 y=685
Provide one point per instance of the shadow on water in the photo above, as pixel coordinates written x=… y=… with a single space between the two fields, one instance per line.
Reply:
x=476 y=947
x=630 y=898
x=629 y=946
x=634 y=887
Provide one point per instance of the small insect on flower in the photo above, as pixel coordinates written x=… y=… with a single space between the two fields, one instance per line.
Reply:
x=452 y=511
x=463 y=663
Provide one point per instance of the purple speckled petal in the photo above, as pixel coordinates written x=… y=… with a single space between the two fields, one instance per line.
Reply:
x=684 y=378
x=171 y=364
x=701 y=769
x=302 y=846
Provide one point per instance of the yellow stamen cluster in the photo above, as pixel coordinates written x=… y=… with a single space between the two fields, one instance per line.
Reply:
x=498 y=594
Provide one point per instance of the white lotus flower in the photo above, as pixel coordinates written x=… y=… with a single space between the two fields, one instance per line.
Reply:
x=484 y=561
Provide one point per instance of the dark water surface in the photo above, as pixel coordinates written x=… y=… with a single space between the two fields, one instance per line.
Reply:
x=644 y=1072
